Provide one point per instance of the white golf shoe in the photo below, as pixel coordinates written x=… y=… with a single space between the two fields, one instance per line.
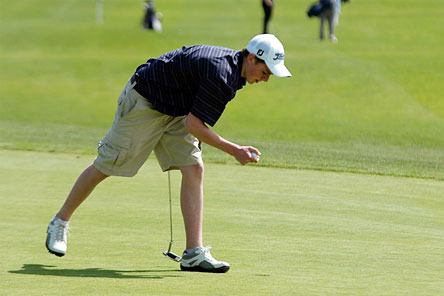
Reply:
x=200 y=259
x=333 y=38
x=57 y=237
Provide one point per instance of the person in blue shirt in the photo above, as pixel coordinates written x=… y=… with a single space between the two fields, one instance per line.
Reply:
x=169 y=106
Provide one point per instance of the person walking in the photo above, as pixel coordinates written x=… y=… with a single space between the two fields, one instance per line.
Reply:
x=330 y=11
x=169 y=106
x=151 y=19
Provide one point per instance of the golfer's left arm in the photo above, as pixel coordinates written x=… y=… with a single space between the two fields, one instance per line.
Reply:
x=197 y=128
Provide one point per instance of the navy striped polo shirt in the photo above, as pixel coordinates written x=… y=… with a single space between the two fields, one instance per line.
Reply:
x=199 y=79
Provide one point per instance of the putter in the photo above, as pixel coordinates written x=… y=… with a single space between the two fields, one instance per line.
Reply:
x=168 y=253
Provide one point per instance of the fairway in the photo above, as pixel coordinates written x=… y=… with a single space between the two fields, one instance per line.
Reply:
x=348 y=198
x=370 y=104
x=305 y=233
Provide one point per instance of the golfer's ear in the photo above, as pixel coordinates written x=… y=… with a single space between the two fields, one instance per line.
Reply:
x=251 y=57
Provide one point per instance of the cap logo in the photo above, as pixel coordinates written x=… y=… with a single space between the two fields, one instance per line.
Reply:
x=260 y=52
x=278 y=56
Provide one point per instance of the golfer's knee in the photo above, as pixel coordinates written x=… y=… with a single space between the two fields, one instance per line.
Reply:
x=194 y=172
x=94 y=174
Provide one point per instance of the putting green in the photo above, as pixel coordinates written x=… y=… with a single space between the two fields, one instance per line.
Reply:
x=285 y=232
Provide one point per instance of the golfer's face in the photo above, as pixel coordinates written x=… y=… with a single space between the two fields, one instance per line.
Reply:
x=256 y=71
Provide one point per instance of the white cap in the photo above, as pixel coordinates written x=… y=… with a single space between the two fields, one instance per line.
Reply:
x=269 y=49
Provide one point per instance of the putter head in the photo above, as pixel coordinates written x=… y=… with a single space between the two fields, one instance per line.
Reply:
x=172 y=256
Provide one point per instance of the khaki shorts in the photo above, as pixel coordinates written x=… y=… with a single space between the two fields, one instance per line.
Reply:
x=137 y=130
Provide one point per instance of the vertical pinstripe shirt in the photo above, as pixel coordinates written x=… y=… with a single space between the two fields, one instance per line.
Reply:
x=199 y=79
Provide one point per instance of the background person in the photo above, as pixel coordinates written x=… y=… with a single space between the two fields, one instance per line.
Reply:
x=152 y=19
x=166 y=107
x=267 y=5
x=328 y=12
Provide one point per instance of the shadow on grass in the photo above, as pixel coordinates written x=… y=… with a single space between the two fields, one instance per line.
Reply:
x=40 y=269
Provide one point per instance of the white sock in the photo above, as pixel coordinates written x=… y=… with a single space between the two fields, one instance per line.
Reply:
x=193 y=250
x=63 y=222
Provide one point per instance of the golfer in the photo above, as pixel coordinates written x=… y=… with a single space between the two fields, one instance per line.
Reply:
x=167 y=107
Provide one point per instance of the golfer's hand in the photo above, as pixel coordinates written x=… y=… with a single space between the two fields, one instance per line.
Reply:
x=246 y=154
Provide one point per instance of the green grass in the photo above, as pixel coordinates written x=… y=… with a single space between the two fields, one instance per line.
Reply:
x=347 y=199
x=370 y=104
x=304 y=233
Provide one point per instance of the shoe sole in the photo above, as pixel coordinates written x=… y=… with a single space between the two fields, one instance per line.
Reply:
x=222 y=269
x=53 y=252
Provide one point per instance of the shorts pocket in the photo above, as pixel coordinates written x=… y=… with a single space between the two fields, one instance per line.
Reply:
x=113 y=155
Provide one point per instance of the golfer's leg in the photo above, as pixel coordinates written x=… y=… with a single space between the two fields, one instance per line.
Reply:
x=84 y=185
x=191 y=200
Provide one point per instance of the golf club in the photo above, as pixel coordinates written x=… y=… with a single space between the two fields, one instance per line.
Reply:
x=168 y=253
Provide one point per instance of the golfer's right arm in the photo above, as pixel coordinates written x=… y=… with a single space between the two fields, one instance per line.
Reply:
x=197 y=128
